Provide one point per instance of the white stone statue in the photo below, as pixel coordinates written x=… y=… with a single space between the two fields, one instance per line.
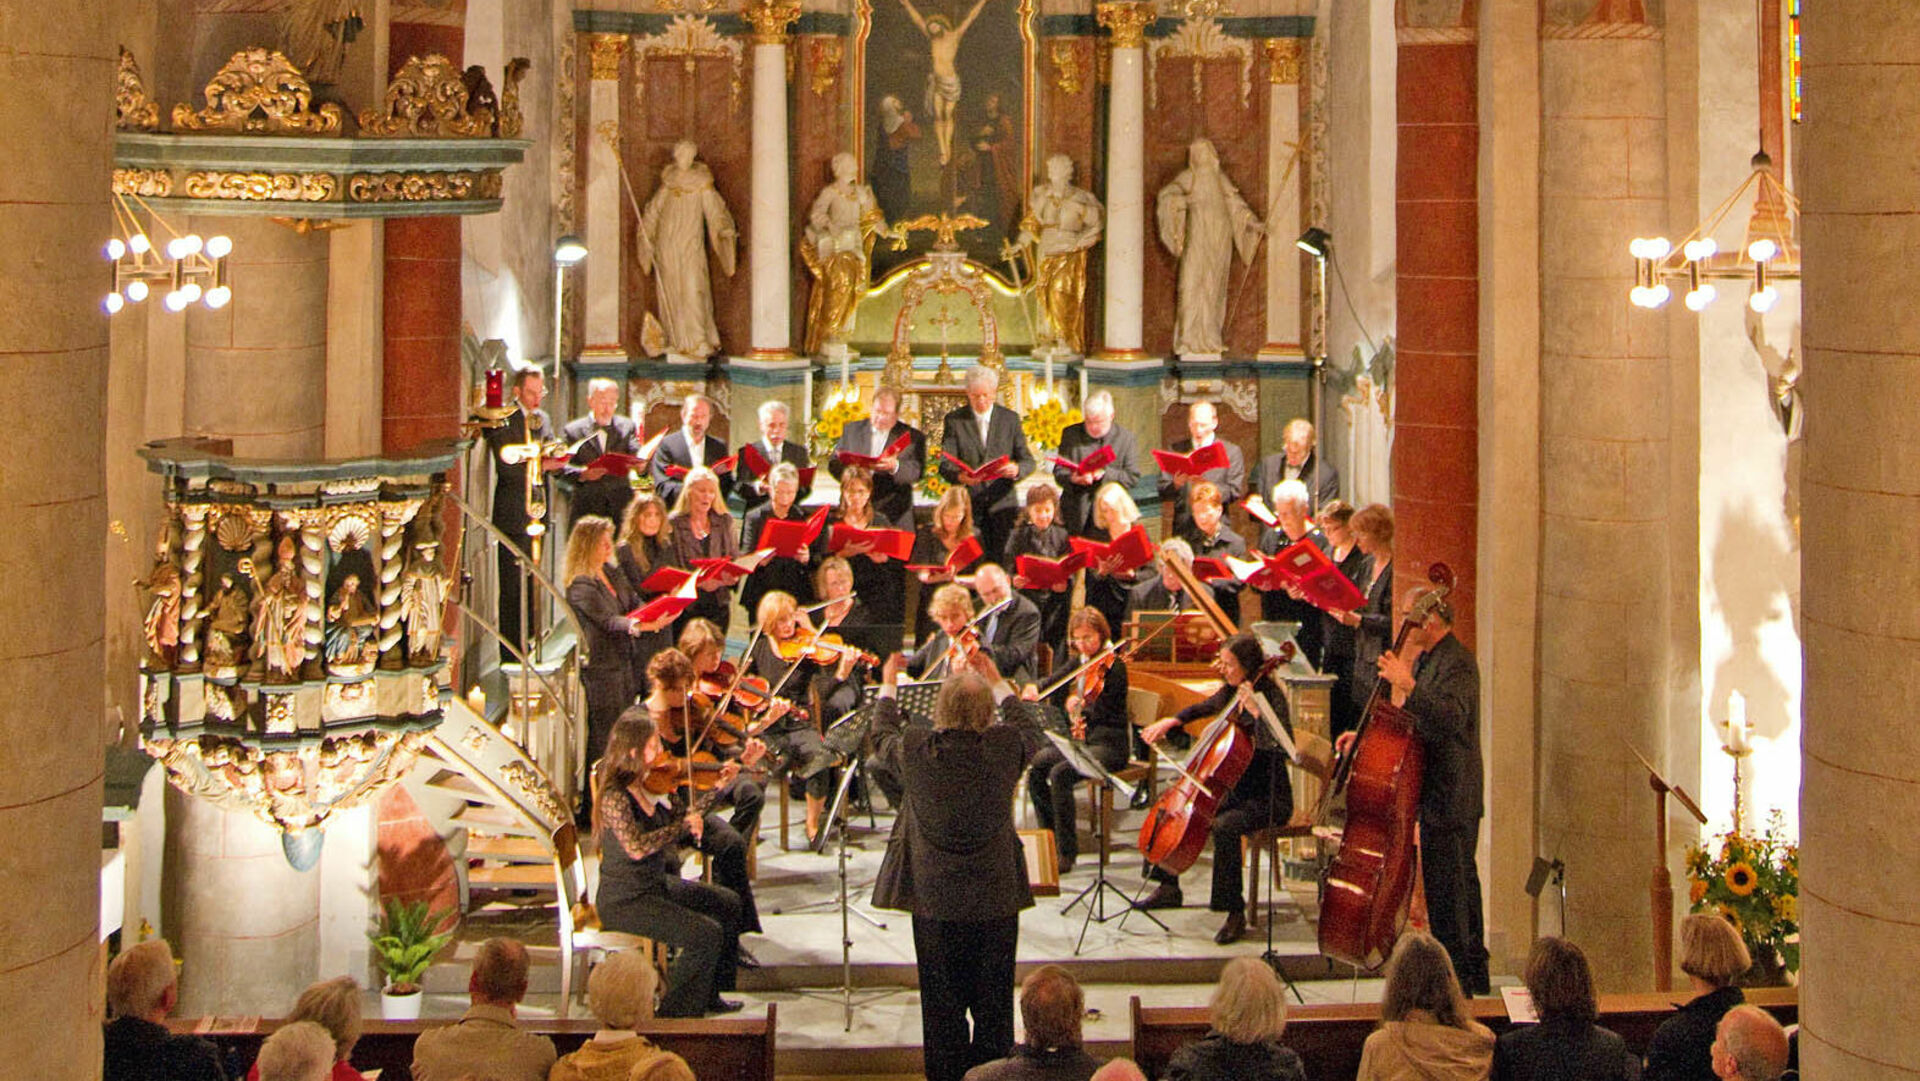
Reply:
x=835 y=245
x=683 y=217
x=1203 y=222
x=1062 y=222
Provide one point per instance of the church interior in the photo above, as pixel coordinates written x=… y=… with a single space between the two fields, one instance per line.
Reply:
x=1577 y=292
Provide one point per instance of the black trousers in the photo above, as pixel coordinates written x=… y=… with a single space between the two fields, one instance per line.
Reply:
x=510 y=585
x=703 y=923
x=966 y=971
x=1230 y=824
x=1452 y=882
x=747 y=799
x=1050 y=782
x=726 y=850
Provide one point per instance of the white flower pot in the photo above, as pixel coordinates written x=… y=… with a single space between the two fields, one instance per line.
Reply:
x=403 y=1007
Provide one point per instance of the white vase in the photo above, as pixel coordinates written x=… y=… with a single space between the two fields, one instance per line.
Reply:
x=403 y=1007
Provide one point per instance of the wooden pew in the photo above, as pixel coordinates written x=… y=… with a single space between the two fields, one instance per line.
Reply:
x=1329 y=1036
x=716 y=1048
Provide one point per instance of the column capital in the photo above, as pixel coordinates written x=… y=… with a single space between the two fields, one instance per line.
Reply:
x=1283 y=61
x=1127 y=21
x=605 y=50
x=770 y=19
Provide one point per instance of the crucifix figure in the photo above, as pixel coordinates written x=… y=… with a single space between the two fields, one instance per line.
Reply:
x=943 y=78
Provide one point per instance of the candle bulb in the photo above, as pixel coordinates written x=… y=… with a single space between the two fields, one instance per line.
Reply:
x=496 y=388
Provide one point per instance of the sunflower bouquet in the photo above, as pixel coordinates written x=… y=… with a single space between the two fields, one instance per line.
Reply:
x=839 y=412
x=1046 y=419
x=1754 y=882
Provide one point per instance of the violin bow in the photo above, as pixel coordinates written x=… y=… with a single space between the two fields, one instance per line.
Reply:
x=720 y=705
x=1089 y=663
x=985 y=613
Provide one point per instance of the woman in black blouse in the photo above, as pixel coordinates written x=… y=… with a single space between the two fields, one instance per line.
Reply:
x=646 y=545
x=1040 y=534
x=879 y=579
x=1099 y=722
x=936 y=545
x=1372 y=625
x=702 y=529
x=601 y=600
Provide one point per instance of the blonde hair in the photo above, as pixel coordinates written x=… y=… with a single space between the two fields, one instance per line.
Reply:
x=700 y=635
x=702 y=475
x=583 y=547
x=1249 y=1005
x=620 y=991
x=955 y=496
x=831 y=563
x=1711 y=949
x=775 y=604
x=138 y=979
x=335 y=1005
x=1112 y=493
x=949 y=599
x=301 y=1051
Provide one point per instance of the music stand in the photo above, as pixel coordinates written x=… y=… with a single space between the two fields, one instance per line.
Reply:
x=1269 y=717
x=1095 y=895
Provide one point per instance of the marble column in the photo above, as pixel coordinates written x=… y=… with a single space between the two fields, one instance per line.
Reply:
x=769 y=253
x=604 y=234
x=1127 y=21
x=54 y=356
x=1606 y=424
x=421 y=377
x=1287 y=180
x=1860 y=792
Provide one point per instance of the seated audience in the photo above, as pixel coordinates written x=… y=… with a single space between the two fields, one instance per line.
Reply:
x=1051 y=1006
x=301 y=1051
x=335 y=1006
x=1119 y=1069
x=1426 y=1032
x=1713 y=956
x=1566 y=1043
x=620 y=993
x=1247 y=1013
x=141 y=992
x=1749 y=1045
x=486 y=1041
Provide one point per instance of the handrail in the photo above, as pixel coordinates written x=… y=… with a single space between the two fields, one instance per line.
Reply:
x=562 y=702
x=527 y=564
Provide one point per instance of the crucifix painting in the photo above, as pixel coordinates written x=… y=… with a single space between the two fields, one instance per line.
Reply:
x=945 y=117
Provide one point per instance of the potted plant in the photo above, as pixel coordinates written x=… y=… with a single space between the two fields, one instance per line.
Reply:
x=405 y=941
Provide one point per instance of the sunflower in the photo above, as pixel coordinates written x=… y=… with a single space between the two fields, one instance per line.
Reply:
x=1729 y=913
x=1788 y=906
x=1698 y=891
x=1741 y=879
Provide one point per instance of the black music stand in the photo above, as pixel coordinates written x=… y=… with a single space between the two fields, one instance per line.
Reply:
x=1270 y=719
x=1095 y=895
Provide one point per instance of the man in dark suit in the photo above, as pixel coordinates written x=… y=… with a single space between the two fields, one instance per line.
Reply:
x=1013 y=633
x=977 y=433
x=954 y=860
x=1435 y=679
x=1203 y=419
x=602 y=431
x=1078 y=441
x=895 y=476
x=1298 y=460
x=773 y=445
x=1163 y=592
x=689 y=447
x=529 y=424
x=141 y=992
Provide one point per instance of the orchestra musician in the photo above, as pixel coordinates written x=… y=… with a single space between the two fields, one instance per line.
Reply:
x=1095 y=702
x=945 y=651
x=838 y=687
x=795 y=738
x=952 y=525
x=1262 y=797
x=774 y=416
x=980 y=432
x=1011 y=634
x=880 y=579
x=1203 y=420
x=702 y=529
x=646 y=544
x=1041 y=534
x=1107 y=588
x=895 y=475
x=789 y=574
x=528 y=423
x=601 y=599
x=705 y=646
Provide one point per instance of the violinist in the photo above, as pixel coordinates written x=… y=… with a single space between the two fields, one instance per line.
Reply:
x=837 y=687
x=1096 y=705
x=946 y=650
x=641 y=891
x=671 y=709
x=704 y=645
x=1262 y=797
x=796 y=738
x=788 y=574
x=1013 y=633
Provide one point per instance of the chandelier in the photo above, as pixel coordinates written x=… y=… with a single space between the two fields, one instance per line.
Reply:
x=1769 y=253
x=189 y=268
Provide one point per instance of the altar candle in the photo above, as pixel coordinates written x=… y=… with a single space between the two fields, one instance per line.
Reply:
x=496 y=388
x=1737 y=723
x=1049 y=369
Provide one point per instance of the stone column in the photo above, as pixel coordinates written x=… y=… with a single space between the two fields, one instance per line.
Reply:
x=53 y=350
x=1126 y=237
x=420 y=379
x=1287 y=181
x=769 y=254
x=1606 y=442
x=1860 y=792
x=604 y=234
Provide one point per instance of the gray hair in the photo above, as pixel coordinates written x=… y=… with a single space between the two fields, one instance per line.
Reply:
x=620 y=990
x=138 y=979
x=782 y=471
x=1300 y=427
x=1174 y=546
x=600 y=383
x=887 y=392
x=771 y=406
x=301 y=1051
x=335 y=1005
x=965 y=702
x=982 y=376
x=1100 y=401
x=691 y=400
x=1249 y=1005
x=1755 y=1041
x=1291 y=493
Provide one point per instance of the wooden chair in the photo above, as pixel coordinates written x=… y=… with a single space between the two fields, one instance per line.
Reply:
x=1310 y=773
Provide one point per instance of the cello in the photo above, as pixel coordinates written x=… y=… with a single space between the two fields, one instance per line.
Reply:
x=1366 y=888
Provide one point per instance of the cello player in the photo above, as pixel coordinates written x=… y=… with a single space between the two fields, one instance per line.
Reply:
x=1262 y=797
x=1435 y=679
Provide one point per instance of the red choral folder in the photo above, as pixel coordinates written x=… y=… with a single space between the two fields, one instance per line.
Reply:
x=893 y=543
x=757 y=466
x=724 y=465
x=848 y=457
x=968 y=551
x=974 y=475
x=617 y=464
x=1099 y=459
x=1133 y=547
x=1209 y=569
x=786 y=538
x=729 y=571
x=1303 y=565
x=1258 y=510
x=1041 y=572
x=1211 y=456
x=667 y=605
x=665 y=580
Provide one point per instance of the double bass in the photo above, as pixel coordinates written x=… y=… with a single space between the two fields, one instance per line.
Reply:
x=1367 y=886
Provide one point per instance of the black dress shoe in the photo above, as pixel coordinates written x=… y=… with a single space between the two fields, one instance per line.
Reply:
x=1233 y=930
x=1167 y=895
x=1066 y=863
x=725 y=1005
x=746 y=958
x=1139 y=800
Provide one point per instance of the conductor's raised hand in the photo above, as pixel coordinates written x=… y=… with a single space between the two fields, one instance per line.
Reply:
x=981 y=663
x=890 y=671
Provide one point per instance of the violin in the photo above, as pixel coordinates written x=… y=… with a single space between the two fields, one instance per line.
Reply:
x=824 y=650
x=961 y=648
x=702 y=770
x=748 y=693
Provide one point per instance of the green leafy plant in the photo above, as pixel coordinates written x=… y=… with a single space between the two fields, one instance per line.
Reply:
x=406 y=939
x=1754 y=882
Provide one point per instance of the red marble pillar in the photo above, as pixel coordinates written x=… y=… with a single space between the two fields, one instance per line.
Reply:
x=1436 y=462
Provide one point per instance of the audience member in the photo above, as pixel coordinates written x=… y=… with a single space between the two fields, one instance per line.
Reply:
x=1712 y=956
x=486 y=1042
x=335 y=1006
x=1566 y=1043
x=1247 y=1014
x=1051 y=1006
x=1119 y=1069
x=141 y=992
x=301 y=1051
x=1426 y=1032
x=1749 y=1045
x=620 y=993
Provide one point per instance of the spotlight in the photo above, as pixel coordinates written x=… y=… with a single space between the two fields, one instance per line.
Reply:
x=1703 y=248
x=114 y=303
x=1762 y=250
x=139 y=244
x=189 y=293
x=175 y=301
x=136 y=290
x=116 y=248
x=569 y=250
x=1316 y=242
x=1763 y=300
x=1698 y=299
x=218 y=296
x=1649 y=247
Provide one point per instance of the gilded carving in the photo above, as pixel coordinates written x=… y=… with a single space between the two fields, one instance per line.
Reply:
x=691 y=37
x=1283 y=61
x=147 y=183
x=604 y=52
x=770 y=19
x=824 y=58
x=1200 y=40
x=1069 y=76
x=512 y=123
x=260 y=187
x=535 y=790
x=475 y=738
x=132 y=109
x=260 y=92
x=235 y=530
x=565 y=149
x=1127 y=21
x=422 y=187
x=428 y=98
